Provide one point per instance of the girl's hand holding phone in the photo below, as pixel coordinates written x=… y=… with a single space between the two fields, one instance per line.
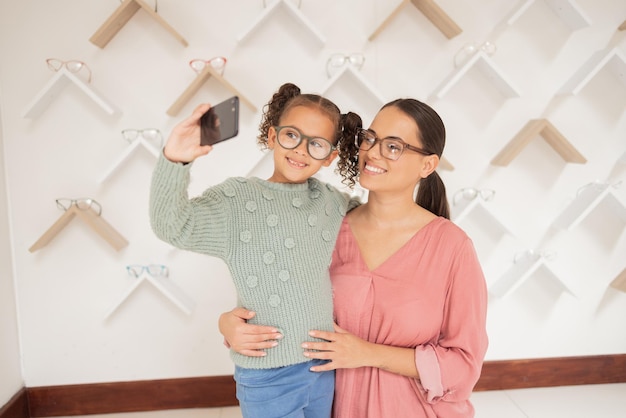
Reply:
x=183 y=144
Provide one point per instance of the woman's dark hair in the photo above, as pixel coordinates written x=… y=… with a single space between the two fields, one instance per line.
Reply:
x=431 y=193
x=289 y=96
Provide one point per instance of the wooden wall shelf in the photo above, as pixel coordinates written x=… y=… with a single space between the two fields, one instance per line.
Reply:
x=622 y=26
x=486 y=65
x=293 y=11
x=587 y=199
x=567 y=10
x=55 y=86
x=121 y=16
x=128 y=152
x=431 y=10
x=534 y=128
x=613 y=59
x=163 y=285
x=202 y=77
x=619 y=282
x=92 y=219
x=465 y=208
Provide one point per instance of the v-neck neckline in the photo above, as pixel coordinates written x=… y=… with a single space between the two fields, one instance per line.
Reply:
x=395 y=253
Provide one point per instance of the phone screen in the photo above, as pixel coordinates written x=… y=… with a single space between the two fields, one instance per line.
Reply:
x=220 y=122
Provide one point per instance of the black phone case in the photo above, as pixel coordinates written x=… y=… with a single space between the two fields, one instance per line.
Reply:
x=220 y=122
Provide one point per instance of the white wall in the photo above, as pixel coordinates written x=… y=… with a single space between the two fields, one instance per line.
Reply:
x=10 y=362
x=65 y=289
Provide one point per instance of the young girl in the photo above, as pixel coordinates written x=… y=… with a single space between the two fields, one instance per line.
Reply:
x=275 y=235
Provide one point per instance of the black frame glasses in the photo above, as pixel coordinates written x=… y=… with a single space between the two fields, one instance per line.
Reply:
x=290 y=137
x=391 y=147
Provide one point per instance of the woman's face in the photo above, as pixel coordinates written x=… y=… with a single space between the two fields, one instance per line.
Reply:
x=296 y=165
x=377 y=173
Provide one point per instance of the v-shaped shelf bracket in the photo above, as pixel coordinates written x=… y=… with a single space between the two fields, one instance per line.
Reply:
x=195 y=85
x=92 y=219
x=522 y=271
x=163 y=285
x=54 y=87
x=349 y=71
x=483 y=62
x=534 y=128
x=432 y=11
x=293 y=10
x=619 y=282
x=567 y=10
x=127 y=153
x=586 y=201
x=121 y=16
x=613 y=59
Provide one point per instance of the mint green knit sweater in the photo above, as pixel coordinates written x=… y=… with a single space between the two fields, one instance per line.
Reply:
x=276 y=238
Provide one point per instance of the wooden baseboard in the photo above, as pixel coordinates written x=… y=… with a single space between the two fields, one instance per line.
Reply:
x=218 y=391
x=17 y=407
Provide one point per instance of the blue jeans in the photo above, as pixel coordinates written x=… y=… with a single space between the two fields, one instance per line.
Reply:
x=285 y=392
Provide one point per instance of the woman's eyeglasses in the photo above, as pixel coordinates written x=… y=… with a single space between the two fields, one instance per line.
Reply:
x=290 y=137
x=73 y=66
x=218 y=64
x=83 y=203
x=336 y=61
x=390 y=147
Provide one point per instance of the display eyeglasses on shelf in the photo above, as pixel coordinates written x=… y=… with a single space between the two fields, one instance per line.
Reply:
x=211 y=68
x=66 y=72
x=150 y=139
x=156 y=275
x=89 y=211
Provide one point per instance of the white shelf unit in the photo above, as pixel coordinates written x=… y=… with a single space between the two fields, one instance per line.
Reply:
x=485 y=64
x=349 y=71
x=520 y=272
x=586 y=202
x=55 y=86
x=293 y=11
x=465 y=208
x=139 y=142
x=612 y=58
x=567 y=10
x=164 y=285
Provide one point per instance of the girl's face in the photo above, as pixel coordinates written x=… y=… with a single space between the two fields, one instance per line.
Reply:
x=296 y=165
x=377 y=173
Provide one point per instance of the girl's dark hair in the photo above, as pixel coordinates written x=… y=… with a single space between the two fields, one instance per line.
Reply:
x=289 y=96
x=431 y=193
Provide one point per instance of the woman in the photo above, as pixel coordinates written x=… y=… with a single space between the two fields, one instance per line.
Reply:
x=410 y=297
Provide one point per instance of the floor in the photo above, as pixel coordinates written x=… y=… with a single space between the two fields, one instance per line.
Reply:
x=597 y=401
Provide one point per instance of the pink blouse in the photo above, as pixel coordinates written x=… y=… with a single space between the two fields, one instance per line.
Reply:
x=430 y=295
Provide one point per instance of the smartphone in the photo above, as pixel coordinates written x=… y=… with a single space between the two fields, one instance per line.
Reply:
x=220 y=122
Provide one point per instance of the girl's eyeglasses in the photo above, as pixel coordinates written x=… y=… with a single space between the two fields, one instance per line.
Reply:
x=73 y=66
x=290 y=137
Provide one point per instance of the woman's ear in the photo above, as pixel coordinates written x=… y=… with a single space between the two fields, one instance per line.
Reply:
x=430 y=164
